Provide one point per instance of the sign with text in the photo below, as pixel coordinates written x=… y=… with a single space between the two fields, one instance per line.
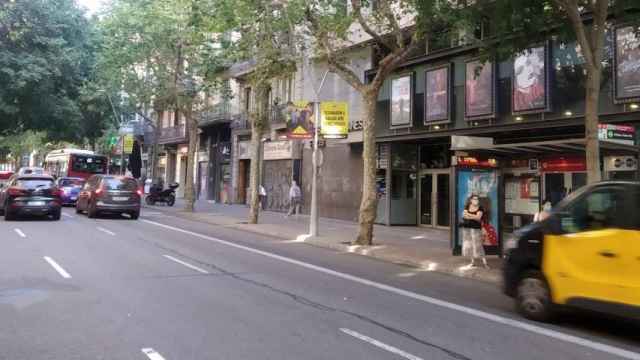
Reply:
x=280 y=150
x=334 y=117
x=620 y=134
x=627 y=64
x=128 y=144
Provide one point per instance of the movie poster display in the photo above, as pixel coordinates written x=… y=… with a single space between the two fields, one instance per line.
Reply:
x=479 y=90
x=530 y=81
x=627 y=64
x=300 y=120
x=436 y=102
x=401 y=101
x=484 y=184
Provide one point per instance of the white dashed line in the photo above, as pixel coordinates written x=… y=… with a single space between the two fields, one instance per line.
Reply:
x=381 y=345
x=186 y=264
x=106 y=231
x=152 y=354
x=20 y=233
x=67 y=215
x=526 y=326
x=57 y=267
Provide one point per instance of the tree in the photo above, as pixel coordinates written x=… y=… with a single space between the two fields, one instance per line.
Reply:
x=331 y=27
x=268 y=36
x=45 y=58
x=521 y=23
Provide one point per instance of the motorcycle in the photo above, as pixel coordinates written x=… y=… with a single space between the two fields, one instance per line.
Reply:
x=158 y=194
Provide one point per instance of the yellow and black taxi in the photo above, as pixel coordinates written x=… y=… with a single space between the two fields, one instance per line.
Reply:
x=585 y=254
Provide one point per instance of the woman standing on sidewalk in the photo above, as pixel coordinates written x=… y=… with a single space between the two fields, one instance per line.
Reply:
x=471 y=227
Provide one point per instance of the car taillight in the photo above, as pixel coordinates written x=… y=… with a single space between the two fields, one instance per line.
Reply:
x=16 y=192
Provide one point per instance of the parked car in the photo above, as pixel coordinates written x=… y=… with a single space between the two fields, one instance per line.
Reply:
x=110 y=194
x=586 y=254
x=4 y=177
x=31 y=171
x=30 y=195
x=70 y=189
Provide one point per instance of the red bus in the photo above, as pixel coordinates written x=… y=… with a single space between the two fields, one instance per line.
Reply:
x=75 y=163
x=4 y=177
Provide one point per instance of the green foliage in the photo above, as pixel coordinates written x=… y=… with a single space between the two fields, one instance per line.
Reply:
x=44 y=60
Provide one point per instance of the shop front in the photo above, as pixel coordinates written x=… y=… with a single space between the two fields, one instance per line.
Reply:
x=281 y=165
x=525 y=176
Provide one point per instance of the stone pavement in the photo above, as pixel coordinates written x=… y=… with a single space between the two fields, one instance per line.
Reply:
x=423 y=248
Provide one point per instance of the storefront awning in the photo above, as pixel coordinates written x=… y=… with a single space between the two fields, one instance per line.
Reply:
x=486 y=146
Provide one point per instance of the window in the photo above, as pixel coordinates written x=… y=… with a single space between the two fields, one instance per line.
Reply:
x=601 y=209
x=71 y=182
x=34 y=183
x=92 y=165
x=119 y=184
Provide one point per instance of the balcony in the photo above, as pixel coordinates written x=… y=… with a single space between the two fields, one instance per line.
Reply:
x=173 y=135
x=223 y=112
x=277 y=118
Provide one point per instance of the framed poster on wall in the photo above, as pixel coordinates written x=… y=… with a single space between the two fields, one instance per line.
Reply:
x=483 y=183
x=626 y=66
x=479 y=90
x=530 y=82
x=437 y=95
x=401 y=101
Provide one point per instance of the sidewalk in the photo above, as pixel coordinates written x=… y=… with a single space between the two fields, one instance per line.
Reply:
x=425 y=249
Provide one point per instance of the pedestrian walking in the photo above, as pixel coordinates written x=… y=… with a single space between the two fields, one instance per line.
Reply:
x=295 y=199
x=262 y=195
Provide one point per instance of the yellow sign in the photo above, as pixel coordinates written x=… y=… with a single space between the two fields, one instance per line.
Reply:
x=128 y=144
x=335 y=119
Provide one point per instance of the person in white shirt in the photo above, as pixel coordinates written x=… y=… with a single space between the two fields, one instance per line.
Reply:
x=262 y=194
x=295 y=199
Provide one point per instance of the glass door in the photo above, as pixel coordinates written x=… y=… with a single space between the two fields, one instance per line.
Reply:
x=442 y=202
x=434 y=198
x=426 y=199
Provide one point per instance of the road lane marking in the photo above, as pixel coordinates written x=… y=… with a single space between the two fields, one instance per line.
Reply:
x=379 y=344
x=57 y=267
x=152 y=354
x=106 y=231
x=626 y=354
x=20 y=233
x=67 y=215
x=186 y=264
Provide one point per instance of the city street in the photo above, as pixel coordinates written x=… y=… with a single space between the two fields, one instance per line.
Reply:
x=168 y=288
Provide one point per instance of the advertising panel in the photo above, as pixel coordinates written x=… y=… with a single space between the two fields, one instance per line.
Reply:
x=401 y=101
x=530 y=81
x=334 y=118
x=620 y=134
x=479 y=88
x=437 y=95
x=300 y=120
x=627 y=64
x=482 y=183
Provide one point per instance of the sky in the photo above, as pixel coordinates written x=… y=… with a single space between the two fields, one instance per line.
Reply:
x=91 y=5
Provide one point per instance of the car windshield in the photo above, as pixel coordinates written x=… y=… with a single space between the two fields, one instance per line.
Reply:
x=88 y=164
x=71 y=182
x=119 y=184
x=34 y=183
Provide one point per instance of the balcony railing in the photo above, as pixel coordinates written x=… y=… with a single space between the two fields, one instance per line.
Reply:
x=221 y=112
x=173 y=135
x=277 y=116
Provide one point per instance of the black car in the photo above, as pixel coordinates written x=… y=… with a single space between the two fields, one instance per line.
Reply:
x=110 y=194
x=30 y=195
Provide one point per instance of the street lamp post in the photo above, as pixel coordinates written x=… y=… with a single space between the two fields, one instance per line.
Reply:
x=314 y=218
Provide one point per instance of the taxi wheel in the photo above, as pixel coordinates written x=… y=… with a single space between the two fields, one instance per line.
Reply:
x=533 y=299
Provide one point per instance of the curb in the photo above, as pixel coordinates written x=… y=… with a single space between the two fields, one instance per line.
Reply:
x=372 y=252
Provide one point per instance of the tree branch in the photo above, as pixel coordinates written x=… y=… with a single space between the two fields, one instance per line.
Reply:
x=385 y=7
x=357 y=11
x=573 y=13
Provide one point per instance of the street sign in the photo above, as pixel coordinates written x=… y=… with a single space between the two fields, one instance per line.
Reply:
x=334 y=117
x=128 y=144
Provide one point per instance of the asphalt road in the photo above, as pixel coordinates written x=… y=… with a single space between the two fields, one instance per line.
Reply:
x=167 y=288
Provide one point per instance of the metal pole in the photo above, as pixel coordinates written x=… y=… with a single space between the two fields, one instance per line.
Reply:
x=314 y=218
x=122 y=157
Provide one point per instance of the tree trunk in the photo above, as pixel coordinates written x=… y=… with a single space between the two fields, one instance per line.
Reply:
x=591 y=125
x=258 y=122
x=369 y=202
x=189 y=186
